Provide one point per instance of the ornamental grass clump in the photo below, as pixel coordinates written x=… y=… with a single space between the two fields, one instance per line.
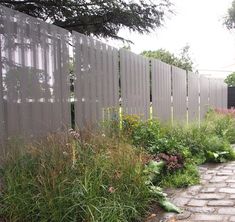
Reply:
x=66 y=178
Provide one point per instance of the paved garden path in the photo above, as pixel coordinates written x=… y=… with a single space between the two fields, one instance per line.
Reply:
x=212 y=200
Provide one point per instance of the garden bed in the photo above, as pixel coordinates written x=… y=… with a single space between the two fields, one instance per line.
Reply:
x=114 y=175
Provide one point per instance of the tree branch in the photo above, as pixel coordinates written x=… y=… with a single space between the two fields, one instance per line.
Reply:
x=47 y=3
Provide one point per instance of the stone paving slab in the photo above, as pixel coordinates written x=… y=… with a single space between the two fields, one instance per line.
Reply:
x=212 y=200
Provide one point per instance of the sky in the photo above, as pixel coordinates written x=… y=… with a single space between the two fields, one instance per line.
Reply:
x=198 y=23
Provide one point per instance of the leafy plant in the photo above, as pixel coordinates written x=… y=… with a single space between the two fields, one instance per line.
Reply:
x=172 y=162
x=184 y=177
x=152 y=170
x=129 y=124
x=218 y=150
x=217 y=156
x=147 y=135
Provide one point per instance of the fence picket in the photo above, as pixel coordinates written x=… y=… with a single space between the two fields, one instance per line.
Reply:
x=193 y=97
x=204 y=96
x=161 y=90
x=179 y=94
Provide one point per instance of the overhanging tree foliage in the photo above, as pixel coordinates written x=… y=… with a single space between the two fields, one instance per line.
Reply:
x=230 y=80
x=99 y=17
x=230 y=17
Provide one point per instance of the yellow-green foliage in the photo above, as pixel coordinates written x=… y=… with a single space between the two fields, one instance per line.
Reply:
x=130 y=123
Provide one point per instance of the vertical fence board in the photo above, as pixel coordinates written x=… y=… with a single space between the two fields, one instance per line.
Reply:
x=65 y=82
x=96 y=84
x=217 y=93
x=99 y=81
x=204 y=96
x=78 y=80
x=135 y=91
x=93 y=80
x=47 y=116
x=123 y=80
x=10 y=76
x=220 y=93
x=225 y=96
x=212 y=93
x=193 y=97
x=161 y=90
x=24 y=94
x=2 y=105
x=37 y=126
x=179 y=94
x=147 y=88
x=86 y=75
x=116 y=79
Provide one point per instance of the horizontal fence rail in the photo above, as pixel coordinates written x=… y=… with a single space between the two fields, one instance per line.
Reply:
x=37 y=84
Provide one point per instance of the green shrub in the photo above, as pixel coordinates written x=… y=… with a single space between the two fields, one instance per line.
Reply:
x=223 y=125
x=129 y=125
x=185 y=177
x=218 y=150
x=147 y=135
x=69 y=180
x=153 y=137
x=203 y=144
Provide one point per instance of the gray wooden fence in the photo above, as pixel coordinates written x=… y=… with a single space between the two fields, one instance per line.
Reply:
x=35 y=92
